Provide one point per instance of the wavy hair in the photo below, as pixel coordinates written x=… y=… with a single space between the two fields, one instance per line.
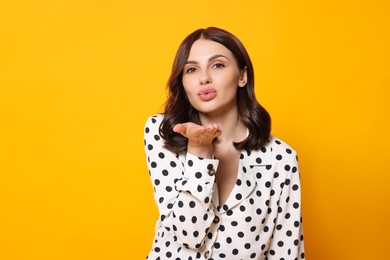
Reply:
x=178 y=109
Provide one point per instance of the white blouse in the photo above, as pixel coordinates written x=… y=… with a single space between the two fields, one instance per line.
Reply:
x=261 y=219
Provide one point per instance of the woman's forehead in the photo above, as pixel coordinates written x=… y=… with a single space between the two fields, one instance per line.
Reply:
x=204 y=49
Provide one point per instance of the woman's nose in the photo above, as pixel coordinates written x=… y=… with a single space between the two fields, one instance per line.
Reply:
x=205 y=78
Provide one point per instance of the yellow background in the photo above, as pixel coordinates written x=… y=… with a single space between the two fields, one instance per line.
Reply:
x=79 y=78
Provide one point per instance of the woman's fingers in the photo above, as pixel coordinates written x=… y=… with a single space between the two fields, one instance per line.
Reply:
x=180 y=128
x=188 y=129
x=214 y=129
x=198 y=133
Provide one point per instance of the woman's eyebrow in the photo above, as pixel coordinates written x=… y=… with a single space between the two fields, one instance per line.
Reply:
x=210 y=59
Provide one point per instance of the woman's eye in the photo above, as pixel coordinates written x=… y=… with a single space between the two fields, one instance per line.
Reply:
x=189 y=70
x=218 y=65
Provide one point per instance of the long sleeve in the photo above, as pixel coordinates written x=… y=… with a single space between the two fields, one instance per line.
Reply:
x=287 y=240
x=183 y=187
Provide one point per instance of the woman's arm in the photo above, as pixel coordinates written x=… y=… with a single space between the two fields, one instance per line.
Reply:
x=287 y=239
x=182 y=191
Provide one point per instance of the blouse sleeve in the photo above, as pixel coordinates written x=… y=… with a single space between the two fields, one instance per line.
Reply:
x=182 y=190
x=287 y=239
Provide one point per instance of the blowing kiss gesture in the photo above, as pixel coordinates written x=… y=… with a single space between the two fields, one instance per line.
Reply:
x=200 y=138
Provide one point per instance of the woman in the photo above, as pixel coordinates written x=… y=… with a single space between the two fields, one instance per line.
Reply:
x=225 y=188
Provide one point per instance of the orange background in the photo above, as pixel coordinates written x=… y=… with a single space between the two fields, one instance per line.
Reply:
x=79 y=78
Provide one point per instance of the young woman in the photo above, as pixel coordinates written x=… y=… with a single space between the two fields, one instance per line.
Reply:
x=225 y=188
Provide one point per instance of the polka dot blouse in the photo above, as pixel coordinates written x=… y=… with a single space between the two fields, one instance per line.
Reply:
x=261 y=218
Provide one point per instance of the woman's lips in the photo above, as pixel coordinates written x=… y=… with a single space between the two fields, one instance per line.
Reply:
x=207 y=94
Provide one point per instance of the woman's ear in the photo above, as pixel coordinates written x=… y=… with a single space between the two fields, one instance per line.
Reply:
x=243 y=78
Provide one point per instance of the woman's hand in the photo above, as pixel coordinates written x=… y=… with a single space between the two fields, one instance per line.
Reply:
x=199 y=137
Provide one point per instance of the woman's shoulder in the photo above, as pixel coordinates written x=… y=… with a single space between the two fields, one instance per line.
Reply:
x=154 y=120
x=152 y=129
x=276 y=145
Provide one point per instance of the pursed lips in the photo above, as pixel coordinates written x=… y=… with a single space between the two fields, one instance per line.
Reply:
x=207 y=94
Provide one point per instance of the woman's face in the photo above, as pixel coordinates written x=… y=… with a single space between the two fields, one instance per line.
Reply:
x=211 y=78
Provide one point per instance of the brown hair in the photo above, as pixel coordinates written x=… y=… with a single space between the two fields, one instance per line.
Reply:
x=179 y=110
